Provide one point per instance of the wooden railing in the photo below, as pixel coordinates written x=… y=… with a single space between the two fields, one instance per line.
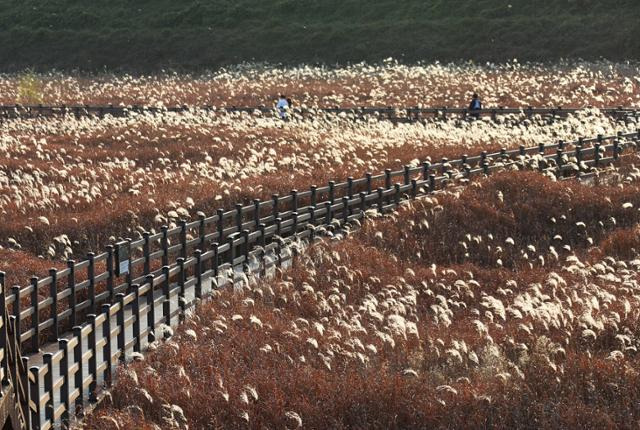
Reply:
x=396 y=114
x=77 y=323
x=14 y=393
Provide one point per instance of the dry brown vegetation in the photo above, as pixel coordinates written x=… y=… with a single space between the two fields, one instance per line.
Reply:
x=511 y=303
x=68 y=186
x=534 y=326
x=512 y=84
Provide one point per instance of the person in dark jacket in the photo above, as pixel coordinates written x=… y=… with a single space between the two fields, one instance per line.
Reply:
x=475 y=105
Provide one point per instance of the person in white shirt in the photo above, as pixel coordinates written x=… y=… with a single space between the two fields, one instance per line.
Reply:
x=282 y=106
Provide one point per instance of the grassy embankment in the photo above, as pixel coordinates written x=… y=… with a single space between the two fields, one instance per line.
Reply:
x=191 y=34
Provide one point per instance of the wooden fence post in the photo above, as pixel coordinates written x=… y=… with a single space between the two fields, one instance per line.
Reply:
x=279 y=241
x=14 y=341
x=220 y=224
x=238 y=217
x=146 y=251
x=294 y=200
x=92 y=282
x=35 y=317
x=332 y=185
x=345 y=209
x=387 y=179
x=214 y=261
x=350 y=186
x=53 y=292
x=135 y=310
x=245 y=238
x=164 y=243
x=92 y=343
x=231 y=254
x=202 y=230
x=312 y=216
x=128 y=277
x=47 y=359
x=198 y=274
x=444 y=163
x=24 y=376
x=16 y=313
x=279 y=227
x=559 y=157
x=120 y=322
x=34 y=394
x=183 y=238
x=181 y=285
x=63 y=345
x=71 y=282
x=387 y=183
x=425 y=170
x=107 y=349
x=256 y=212
x=77 y=359
x=363 y=202
x=327 y=215
x=110 y=272
x=275 y=199
x=263 y=252
x=579 y=151
x=151 y=310
x=245 y=246
x=166 y=302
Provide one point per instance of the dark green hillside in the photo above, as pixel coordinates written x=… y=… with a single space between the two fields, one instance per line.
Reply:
x=141 y=35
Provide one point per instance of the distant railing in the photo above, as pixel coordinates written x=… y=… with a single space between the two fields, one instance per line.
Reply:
x=85 y=318
x=395 y=114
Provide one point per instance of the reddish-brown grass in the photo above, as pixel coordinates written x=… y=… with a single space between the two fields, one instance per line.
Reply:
x=536 y=366
x=391 y=85
x=530 y=211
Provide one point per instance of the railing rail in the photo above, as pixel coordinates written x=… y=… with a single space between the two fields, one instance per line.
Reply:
x=396 y=114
